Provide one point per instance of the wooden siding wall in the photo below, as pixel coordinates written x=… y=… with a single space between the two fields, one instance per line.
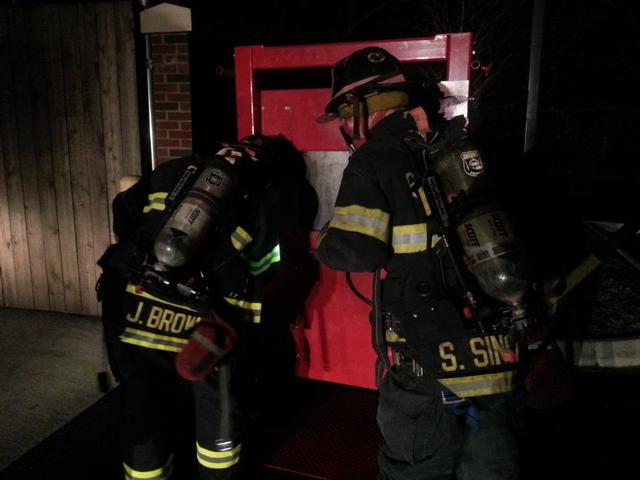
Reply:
x=68 y=133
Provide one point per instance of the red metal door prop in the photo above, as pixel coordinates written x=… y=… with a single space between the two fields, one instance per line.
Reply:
x=333 y=337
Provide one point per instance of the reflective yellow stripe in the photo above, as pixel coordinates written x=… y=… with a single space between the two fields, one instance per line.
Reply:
x=161 y=473
x=131 y=288
x=240 y=238
x=423 y=199
x=145 y=339
x=578 y=274
x=478 y=385
x=218 y=460
x=409 y=238
x=259 y=266
x=255 y=308
x=367 y=221
x=321 y=236
x=155 y=202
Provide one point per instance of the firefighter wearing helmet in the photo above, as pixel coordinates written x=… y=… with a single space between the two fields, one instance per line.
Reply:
x=415 y=188
x=181 y=293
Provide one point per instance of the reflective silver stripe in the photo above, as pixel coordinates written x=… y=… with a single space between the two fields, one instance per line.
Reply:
x=259 y=266
x=206 y=343
x=255 y=308
x=161 y=473
x=145 y=339
x=478 y=385
x=367 y=221
x=155 y=201
x=218 y=460
x=240 y=238
x=409 y=238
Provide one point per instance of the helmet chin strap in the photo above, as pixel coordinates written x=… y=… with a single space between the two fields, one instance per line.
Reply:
x=355 y=130
x=356 y=116
x=348 y=139
x=350 y=129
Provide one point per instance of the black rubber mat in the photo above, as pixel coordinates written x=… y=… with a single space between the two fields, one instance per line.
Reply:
x=313 y=430
x=322 y=431
x=331 y=435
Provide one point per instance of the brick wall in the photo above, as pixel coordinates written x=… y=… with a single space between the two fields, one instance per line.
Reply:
x=172 y=95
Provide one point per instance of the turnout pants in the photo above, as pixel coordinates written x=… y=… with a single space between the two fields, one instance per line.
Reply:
x=430 y=437
x=156 y=403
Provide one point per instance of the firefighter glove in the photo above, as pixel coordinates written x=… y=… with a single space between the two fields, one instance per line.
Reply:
x=211 y=341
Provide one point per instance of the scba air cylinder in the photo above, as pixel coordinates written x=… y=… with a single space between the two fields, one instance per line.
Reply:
x=201 y=208
x=492 y=250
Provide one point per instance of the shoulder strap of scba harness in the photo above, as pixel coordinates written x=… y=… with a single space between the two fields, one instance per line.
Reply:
x=429 y=198
x=417 y=179
x=182 y=186
x=378 y=336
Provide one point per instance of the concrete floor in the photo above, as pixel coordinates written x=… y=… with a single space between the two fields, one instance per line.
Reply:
x=48 y=375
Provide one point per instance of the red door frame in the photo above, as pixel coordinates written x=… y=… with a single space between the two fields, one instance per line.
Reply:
x=333 y=340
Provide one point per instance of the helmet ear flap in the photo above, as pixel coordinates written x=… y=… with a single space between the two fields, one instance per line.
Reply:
x=377 y=102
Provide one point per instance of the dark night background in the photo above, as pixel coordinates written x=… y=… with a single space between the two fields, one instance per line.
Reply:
x=588 y=103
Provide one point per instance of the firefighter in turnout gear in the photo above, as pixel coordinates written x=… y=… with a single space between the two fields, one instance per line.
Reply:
x=181 y=298
x=445 y=405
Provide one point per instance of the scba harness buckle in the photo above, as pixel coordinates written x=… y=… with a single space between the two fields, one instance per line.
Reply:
x=400 y=359
x=163 y=285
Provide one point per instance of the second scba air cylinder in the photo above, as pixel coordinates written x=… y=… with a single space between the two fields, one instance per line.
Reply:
x=197 y=213
x=492 y=249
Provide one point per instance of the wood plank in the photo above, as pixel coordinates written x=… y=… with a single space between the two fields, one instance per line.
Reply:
x=107 y=58
x=127 y=82
x=94 y=146
x=15 y=198
x=42 y=93
x=30 y=144
x=4 y=216
x=61 y=163
x=72 y=46
x=8 y=277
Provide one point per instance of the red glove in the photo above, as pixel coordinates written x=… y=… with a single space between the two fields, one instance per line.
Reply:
x=211 y=340
x=548 y=381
